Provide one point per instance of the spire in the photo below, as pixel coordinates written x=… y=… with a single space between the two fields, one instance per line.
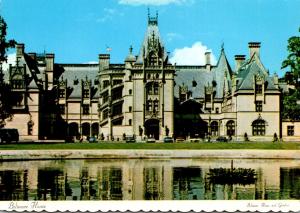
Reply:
x=152 y=43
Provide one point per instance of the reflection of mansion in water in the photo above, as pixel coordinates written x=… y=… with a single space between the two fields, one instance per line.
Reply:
x=145 y=96
x=142 y=180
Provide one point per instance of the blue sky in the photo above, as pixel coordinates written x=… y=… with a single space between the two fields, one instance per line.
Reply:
x=78 y=30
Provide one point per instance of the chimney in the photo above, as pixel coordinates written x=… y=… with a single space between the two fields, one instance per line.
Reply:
x=239 y=60
x=254 y=48
x=104 y=61
x=19 y=50
x=50 y=69
x=32 y=56
x=207 y=60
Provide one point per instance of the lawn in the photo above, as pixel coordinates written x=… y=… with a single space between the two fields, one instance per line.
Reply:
x=187 y=146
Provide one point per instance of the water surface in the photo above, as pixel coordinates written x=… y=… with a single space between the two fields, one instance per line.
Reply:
x=180 y=179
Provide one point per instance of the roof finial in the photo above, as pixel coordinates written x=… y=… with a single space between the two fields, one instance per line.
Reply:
x=156 y=15
x=130 y=49
x=148 y=13
x=222 y=46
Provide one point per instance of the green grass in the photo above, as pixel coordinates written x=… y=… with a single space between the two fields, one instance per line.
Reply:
x=190 y=146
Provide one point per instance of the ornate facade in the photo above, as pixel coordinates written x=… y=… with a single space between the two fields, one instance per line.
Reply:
x=146 y=96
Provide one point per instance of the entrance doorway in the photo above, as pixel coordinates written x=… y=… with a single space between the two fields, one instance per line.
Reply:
x=152 y=128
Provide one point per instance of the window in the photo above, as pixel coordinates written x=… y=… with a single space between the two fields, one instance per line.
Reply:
x=85 y=109
x=115 y=82
x=217 y=110
x=258 y=106
x=149 y=105
x=105 y=114
x=61 y=93
x=117 y=109
x=130 y=109
x=105 y=97
x=182 y=97
x=129 y=122
x=230 y=128
x=258 y=127
x=214 y=128
x=155 y=106
x=290 y=130
x=86 y=93
x=105 y=83
x=156 y=89
x=208 y=97
x=258 y=88
x=116 y=94
x=17 y=84
x=130 y=91
x=61 y=108
x=130 y=78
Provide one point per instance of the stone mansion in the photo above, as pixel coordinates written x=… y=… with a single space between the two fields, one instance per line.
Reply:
x=146 y=96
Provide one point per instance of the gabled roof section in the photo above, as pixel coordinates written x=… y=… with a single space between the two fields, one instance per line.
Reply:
x=152 y=41
x=253 y=67
x=222 y=75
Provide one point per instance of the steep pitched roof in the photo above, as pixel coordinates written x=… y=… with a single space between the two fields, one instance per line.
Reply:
x=222 y=75
x=75 y=73
x=251 y=68
x=195 y=78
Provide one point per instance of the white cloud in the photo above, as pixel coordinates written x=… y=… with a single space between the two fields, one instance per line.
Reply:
x=153 y=2
x=194 y=55
x=11 y=59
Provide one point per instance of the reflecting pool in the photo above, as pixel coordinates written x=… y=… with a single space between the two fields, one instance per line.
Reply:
x=174 y=179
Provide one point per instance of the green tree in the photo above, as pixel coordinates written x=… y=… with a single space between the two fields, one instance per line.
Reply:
x=293 y=59
x=4 y=88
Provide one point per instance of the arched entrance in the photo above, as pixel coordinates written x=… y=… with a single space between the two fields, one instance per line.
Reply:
x=73 y=129
x=86 y=129
x=95 y=129
x=152 y=128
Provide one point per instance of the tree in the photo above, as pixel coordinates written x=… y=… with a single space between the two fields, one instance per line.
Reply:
x=293 y=59
x=4 y=88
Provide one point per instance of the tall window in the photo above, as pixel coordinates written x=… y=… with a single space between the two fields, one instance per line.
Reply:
x=149 y=105
x=155 y=106
x=258 y=127
x=217 y=110
x=105 y=97
x=230 y=128
x=214 y=128
x=290 y=130
x=258 y=106
x=105 y=83
x=130 y=122
x=130 y=109
x=61 y=93
x=85 y=109
x=105 y=114
x=258 y=88
x=86 y=93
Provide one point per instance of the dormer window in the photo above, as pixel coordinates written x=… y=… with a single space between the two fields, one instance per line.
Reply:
x=86 y=93
x=258 y=88
x=61 y=93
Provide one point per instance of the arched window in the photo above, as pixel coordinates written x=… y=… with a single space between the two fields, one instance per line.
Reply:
x=258 y=127
x=149 y=105
x=214 y=128
x=230 y=128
